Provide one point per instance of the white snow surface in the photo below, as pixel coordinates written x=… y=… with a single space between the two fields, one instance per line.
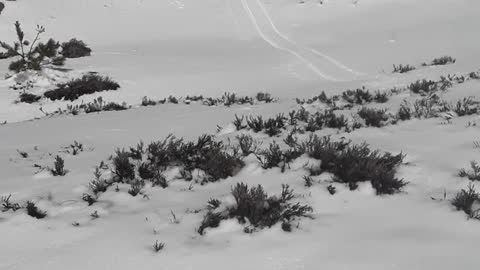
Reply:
x=158 y=48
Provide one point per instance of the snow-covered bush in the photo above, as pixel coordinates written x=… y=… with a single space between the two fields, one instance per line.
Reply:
x=474 y=174
x=136 y=187
x=34 y=211
x=255 y=208
x=465 y=201
x=355 y=163
x=89 y=198
x=9 y=205
x=88 y=84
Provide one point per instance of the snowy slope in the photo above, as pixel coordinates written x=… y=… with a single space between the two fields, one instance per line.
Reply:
x=156 y=48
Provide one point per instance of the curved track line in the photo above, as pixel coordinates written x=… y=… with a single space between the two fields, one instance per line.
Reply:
x=277 y=46
x=329 y=58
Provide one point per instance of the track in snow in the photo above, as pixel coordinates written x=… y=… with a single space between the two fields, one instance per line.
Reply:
x=324 y=66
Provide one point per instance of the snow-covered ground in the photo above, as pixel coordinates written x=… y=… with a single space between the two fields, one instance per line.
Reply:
x=158 y=48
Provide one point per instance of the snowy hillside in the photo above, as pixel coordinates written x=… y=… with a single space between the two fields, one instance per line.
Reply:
x=358 y=119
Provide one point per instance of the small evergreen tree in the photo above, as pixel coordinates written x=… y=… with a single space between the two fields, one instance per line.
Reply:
x=32 y=55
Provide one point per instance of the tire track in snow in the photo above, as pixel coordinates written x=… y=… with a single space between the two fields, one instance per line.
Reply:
x=277 y=46
x=328 y=58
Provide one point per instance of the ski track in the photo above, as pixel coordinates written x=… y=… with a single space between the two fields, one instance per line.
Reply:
x=277 y=46
x=325 y=56
x=295 y=52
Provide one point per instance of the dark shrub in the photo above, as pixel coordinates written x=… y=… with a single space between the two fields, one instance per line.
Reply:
x=75 y=148
x=465 y=199
x=112 y=106
x=159 y=180
x=326 y=119
x=158 y=246
x=211 y=220
x=98 y=105
x=29 y=98
x=471 y=75
x=238 y=122
x=444 y=60
x=308 y=180
x=255 y=123
x=466 y=106
x=215 y=161
x=423 y=86
x=402 y=69
x=148 y=102
x=331 y=189
x=172 y=99
x=260 y=210
x=49 y=49
x=213 y=204
x=274 y=126
x=324 y=149
x=8 y=205
x=59 y=165
x=88 y=84
x=373 y=117
x=302 y=115
x=2 y=6
x=266 y=97
x=331 y=120
x=145 y=171
x=359 y=96
x=380 y=97
x=474 y=174
x=206 y=154
x=229 y=99
x=98 y=185
x=356 y=163
x=138 y=151
x=247 y=144
x=75 y=49
x=404 y=113
x=271 y=157
x=89 y=198
x=136 y=188
x=291 y=139
x=33 y=211
x=123 y=169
